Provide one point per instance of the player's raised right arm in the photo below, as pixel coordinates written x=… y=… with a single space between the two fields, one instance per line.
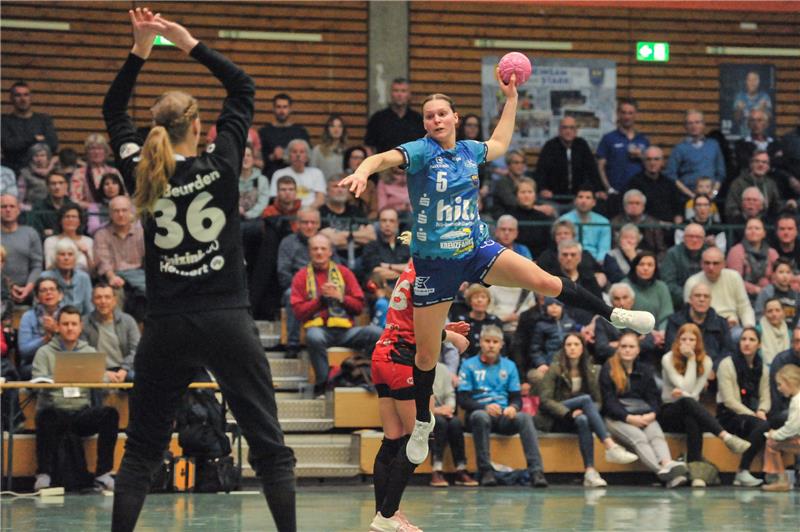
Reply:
x=357 y=181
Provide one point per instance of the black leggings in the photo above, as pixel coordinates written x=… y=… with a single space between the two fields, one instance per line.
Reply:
x=750 y=428
x=690 y=417
x=172 y=350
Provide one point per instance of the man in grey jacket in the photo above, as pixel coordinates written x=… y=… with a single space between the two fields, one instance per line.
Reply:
x=69 y=409
x=113 y=332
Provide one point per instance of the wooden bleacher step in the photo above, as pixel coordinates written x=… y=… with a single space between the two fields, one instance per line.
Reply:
x=300 y=414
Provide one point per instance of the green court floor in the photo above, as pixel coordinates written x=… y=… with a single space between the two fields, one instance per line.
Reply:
x=350 y=507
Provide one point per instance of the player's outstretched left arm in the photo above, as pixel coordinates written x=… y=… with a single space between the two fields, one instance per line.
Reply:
x=501 y=137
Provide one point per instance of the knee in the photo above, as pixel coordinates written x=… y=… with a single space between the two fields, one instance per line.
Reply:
x=523 y=420
x=316 y=337
x=582 y=422
x=110 y=415
x=455 y=424
x=480 y=418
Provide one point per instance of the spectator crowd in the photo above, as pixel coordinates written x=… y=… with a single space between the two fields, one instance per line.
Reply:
x=705 y=239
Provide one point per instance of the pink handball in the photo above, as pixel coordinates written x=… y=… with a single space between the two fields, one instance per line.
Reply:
x=515 y=63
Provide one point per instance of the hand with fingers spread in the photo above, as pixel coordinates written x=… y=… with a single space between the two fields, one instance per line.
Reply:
x=355 y=182
x=144 y=31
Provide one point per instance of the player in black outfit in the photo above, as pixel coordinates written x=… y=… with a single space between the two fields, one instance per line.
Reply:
x=198 y=311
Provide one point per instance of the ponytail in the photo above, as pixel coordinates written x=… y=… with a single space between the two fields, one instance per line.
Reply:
x=173 y=114
x=156 y=166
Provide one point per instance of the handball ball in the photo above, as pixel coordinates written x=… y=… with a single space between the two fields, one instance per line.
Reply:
x=515 y=63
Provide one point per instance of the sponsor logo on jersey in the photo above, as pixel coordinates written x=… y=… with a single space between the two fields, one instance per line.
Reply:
x=456 y=233
x=422 y=236
x=470 y=164
x=425 y=201
x=476 y=182
x=456 y=244
x=421 y=287
x=460 y=210
x=503 y=374
x=422 y=218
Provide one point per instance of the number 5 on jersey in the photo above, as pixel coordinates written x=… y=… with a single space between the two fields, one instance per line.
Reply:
x=203 y=224
x=441 y=181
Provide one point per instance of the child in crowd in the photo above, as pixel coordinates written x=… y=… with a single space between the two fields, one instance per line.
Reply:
x=781 y=288
x=703 y=185
x=381 y=291
x=774 y=332
x=786 y=438
x=548 y=336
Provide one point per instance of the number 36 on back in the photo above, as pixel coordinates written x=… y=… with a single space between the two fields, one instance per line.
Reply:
x=203 y=224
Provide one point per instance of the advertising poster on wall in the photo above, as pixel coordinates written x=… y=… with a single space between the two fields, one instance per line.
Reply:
x=584 y=89
x=743 y=88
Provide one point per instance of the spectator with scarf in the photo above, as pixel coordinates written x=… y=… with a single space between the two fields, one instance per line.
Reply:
x=753 y=258
x=326 y=298
x=743 y=400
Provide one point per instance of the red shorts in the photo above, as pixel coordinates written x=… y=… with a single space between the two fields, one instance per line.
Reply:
x=390 y=378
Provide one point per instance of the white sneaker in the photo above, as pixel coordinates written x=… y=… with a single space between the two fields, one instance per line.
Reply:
x=417 y=446
x=638 y=320
x=620 y=455
x=746 y=480
x=736 y=444
x=105 y=481
x=387 y=524
x=678 y=481
x=398 y=515
x=42 y=482
x=592 y=479
x=672 y=470
x=698 y=483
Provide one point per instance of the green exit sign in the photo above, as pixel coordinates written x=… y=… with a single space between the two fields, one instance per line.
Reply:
x=652 y=51
x=162 y=41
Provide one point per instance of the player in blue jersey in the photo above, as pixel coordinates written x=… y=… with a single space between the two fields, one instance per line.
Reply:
x=450 y=243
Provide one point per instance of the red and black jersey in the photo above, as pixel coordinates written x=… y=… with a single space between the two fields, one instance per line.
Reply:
x=193 y=251
x=397 y=341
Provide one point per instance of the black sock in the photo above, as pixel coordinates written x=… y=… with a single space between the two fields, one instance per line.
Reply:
x=423 y=389
x=382 y=467
x=574 y=295
x=399 y=475
x=281 y=501
x=127 y=507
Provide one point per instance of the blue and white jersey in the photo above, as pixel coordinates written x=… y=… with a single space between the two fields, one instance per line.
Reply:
x=443 y=187
x=489 y=384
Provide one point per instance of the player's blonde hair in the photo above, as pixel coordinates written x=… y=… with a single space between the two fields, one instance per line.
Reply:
x=439 y=96
x=173 y=114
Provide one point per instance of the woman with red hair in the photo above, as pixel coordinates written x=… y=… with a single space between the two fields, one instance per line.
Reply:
x=685 y=369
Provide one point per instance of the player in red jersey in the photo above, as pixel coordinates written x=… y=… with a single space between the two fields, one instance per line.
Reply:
x=392 y=374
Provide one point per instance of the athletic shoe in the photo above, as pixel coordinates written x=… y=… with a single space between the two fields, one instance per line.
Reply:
x=105 y=481
x=699 y=483
x=538 y=480
x=398 y=515
x=678 y=481
x=417 y=446
x=387 y=524
x=638 y=320
x=592 y=479
x=464 y=479
x=438 y=480
x=736 y=444
x=488 y=479
x=620 y=455
x=777 y=486
x=672 y=470
x=745 y=480
x=42 y=482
